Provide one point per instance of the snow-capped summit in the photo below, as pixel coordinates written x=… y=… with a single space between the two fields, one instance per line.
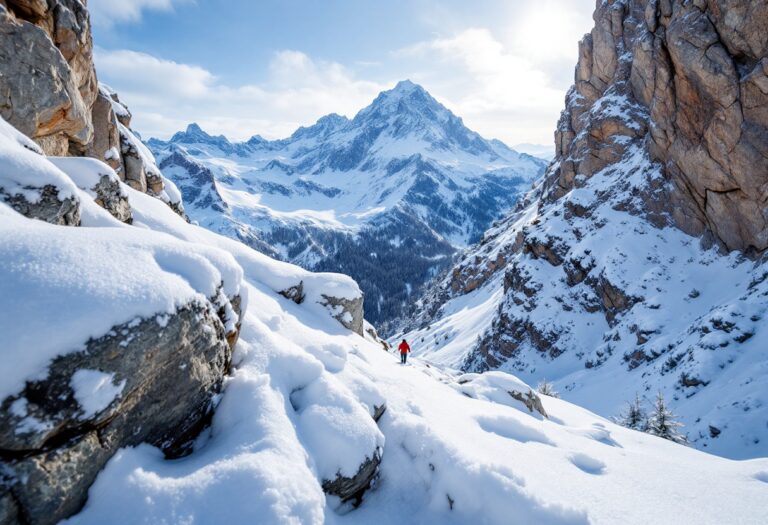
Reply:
x=409 y=111
x=322 y=128
x=356 y=195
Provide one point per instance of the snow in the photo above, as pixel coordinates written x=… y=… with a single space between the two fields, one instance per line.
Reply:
x=85 y=172
x=297 y=408
x=95 y=390
x=78 y=283
x=264 y=458
x=22 y=172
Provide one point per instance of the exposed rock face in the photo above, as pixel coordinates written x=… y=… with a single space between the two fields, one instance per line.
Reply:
x=46 y=207
x=47 y=79
x=295 y=293
x=692 y=80
x=110 y=197
x=349 y=312
x=353 y=488
x=49 y=92
x=157 y=378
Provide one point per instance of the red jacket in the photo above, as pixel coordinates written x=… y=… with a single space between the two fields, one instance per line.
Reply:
x=404 y=348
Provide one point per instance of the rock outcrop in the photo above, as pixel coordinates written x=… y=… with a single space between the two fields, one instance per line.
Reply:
x=692 y=78
x=353 y=488
x=349 y=312
x=151 y=380
x=49 y=92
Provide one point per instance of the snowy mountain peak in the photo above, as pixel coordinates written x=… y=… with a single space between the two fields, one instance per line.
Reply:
x=405 y=98
x=194 y=134
x=322 y=128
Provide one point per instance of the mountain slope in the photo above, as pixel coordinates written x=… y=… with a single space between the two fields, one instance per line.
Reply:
x=595 y=282
x=314 y=423
x=387 y=197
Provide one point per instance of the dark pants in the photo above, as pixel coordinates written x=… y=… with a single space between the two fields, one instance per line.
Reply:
x=403 y=357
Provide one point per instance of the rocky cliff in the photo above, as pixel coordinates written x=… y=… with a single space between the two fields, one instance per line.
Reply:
x=49 y=92
x=688 y=80
x=637 y=263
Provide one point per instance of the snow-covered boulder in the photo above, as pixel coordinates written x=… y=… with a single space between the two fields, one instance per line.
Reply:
x=100 y=182
x=347 y=311
x=32 y=186
x=110 y=336
x=502 y=388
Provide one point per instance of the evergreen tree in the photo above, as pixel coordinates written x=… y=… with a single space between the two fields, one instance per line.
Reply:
x=547 y=388
x=663 y=423
x=635 y=417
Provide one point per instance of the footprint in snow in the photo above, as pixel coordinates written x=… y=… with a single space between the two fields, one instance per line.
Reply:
x=587 y=463
x=509 y=428
x=597 y=432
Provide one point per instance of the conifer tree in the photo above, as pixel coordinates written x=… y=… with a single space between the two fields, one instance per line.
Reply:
x=663 y=422
x=635 y=416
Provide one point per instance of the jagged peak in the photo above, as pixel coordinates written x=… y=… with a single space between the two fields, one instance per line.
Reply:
x=405 y=94
x=195 y=133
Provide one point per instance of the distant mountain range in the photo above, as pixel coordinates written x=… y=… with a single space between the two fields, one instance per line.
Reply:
x=543 y=151
x=388 y=197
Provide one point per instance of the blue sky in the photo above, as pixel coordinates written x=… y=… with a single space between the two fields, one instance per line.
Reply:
x=244 y=67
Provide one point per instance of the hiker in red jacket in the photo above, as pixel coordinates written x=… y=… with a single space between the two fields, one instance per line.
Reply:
x=404 y=349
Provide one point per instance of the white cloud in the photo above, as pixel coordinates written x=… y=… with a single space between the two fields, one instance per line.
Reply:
x=507 y=78
x=134 y=71
x=105 y=13
x=498 y=93
x=164 y=96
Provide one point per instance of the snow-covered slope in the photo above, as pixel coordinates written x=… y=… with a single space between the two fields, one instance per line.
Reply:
x=387 y=197
x=298 y=409
x=592 y=282
x=452 y=452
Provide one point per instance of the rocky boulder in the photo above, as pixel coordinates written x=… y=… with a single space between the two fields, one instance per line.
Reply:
x=47 y=205
x=353 y=488
x=151 y=380
x=349 y=312
x=47 y=79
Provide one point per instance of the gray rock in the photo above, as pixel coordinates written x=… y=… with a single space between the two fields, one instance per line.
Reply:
x=349 y=312
x=530 y=399
x=294 y=293
x=167 y=370
x=110 y=196
x=349 y=489
x=49 y=207
x=43 y=95
x=106 y=137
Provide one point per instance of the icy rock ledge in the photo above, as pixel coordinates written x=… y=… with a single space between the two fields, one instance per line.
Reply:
x=352 y=489
x=159 y=378
x=349 y=312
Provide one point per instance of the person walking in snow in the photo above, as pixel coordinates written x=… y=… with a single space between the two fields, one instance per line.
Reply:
x=404 y=349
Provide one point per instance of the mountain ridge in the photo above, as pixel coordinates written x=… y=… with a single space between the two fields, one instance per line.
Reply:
x=340 y=185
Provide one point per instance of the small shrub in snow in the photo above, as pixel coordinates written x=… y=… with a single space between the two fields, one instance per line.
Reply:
x=547 y=388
